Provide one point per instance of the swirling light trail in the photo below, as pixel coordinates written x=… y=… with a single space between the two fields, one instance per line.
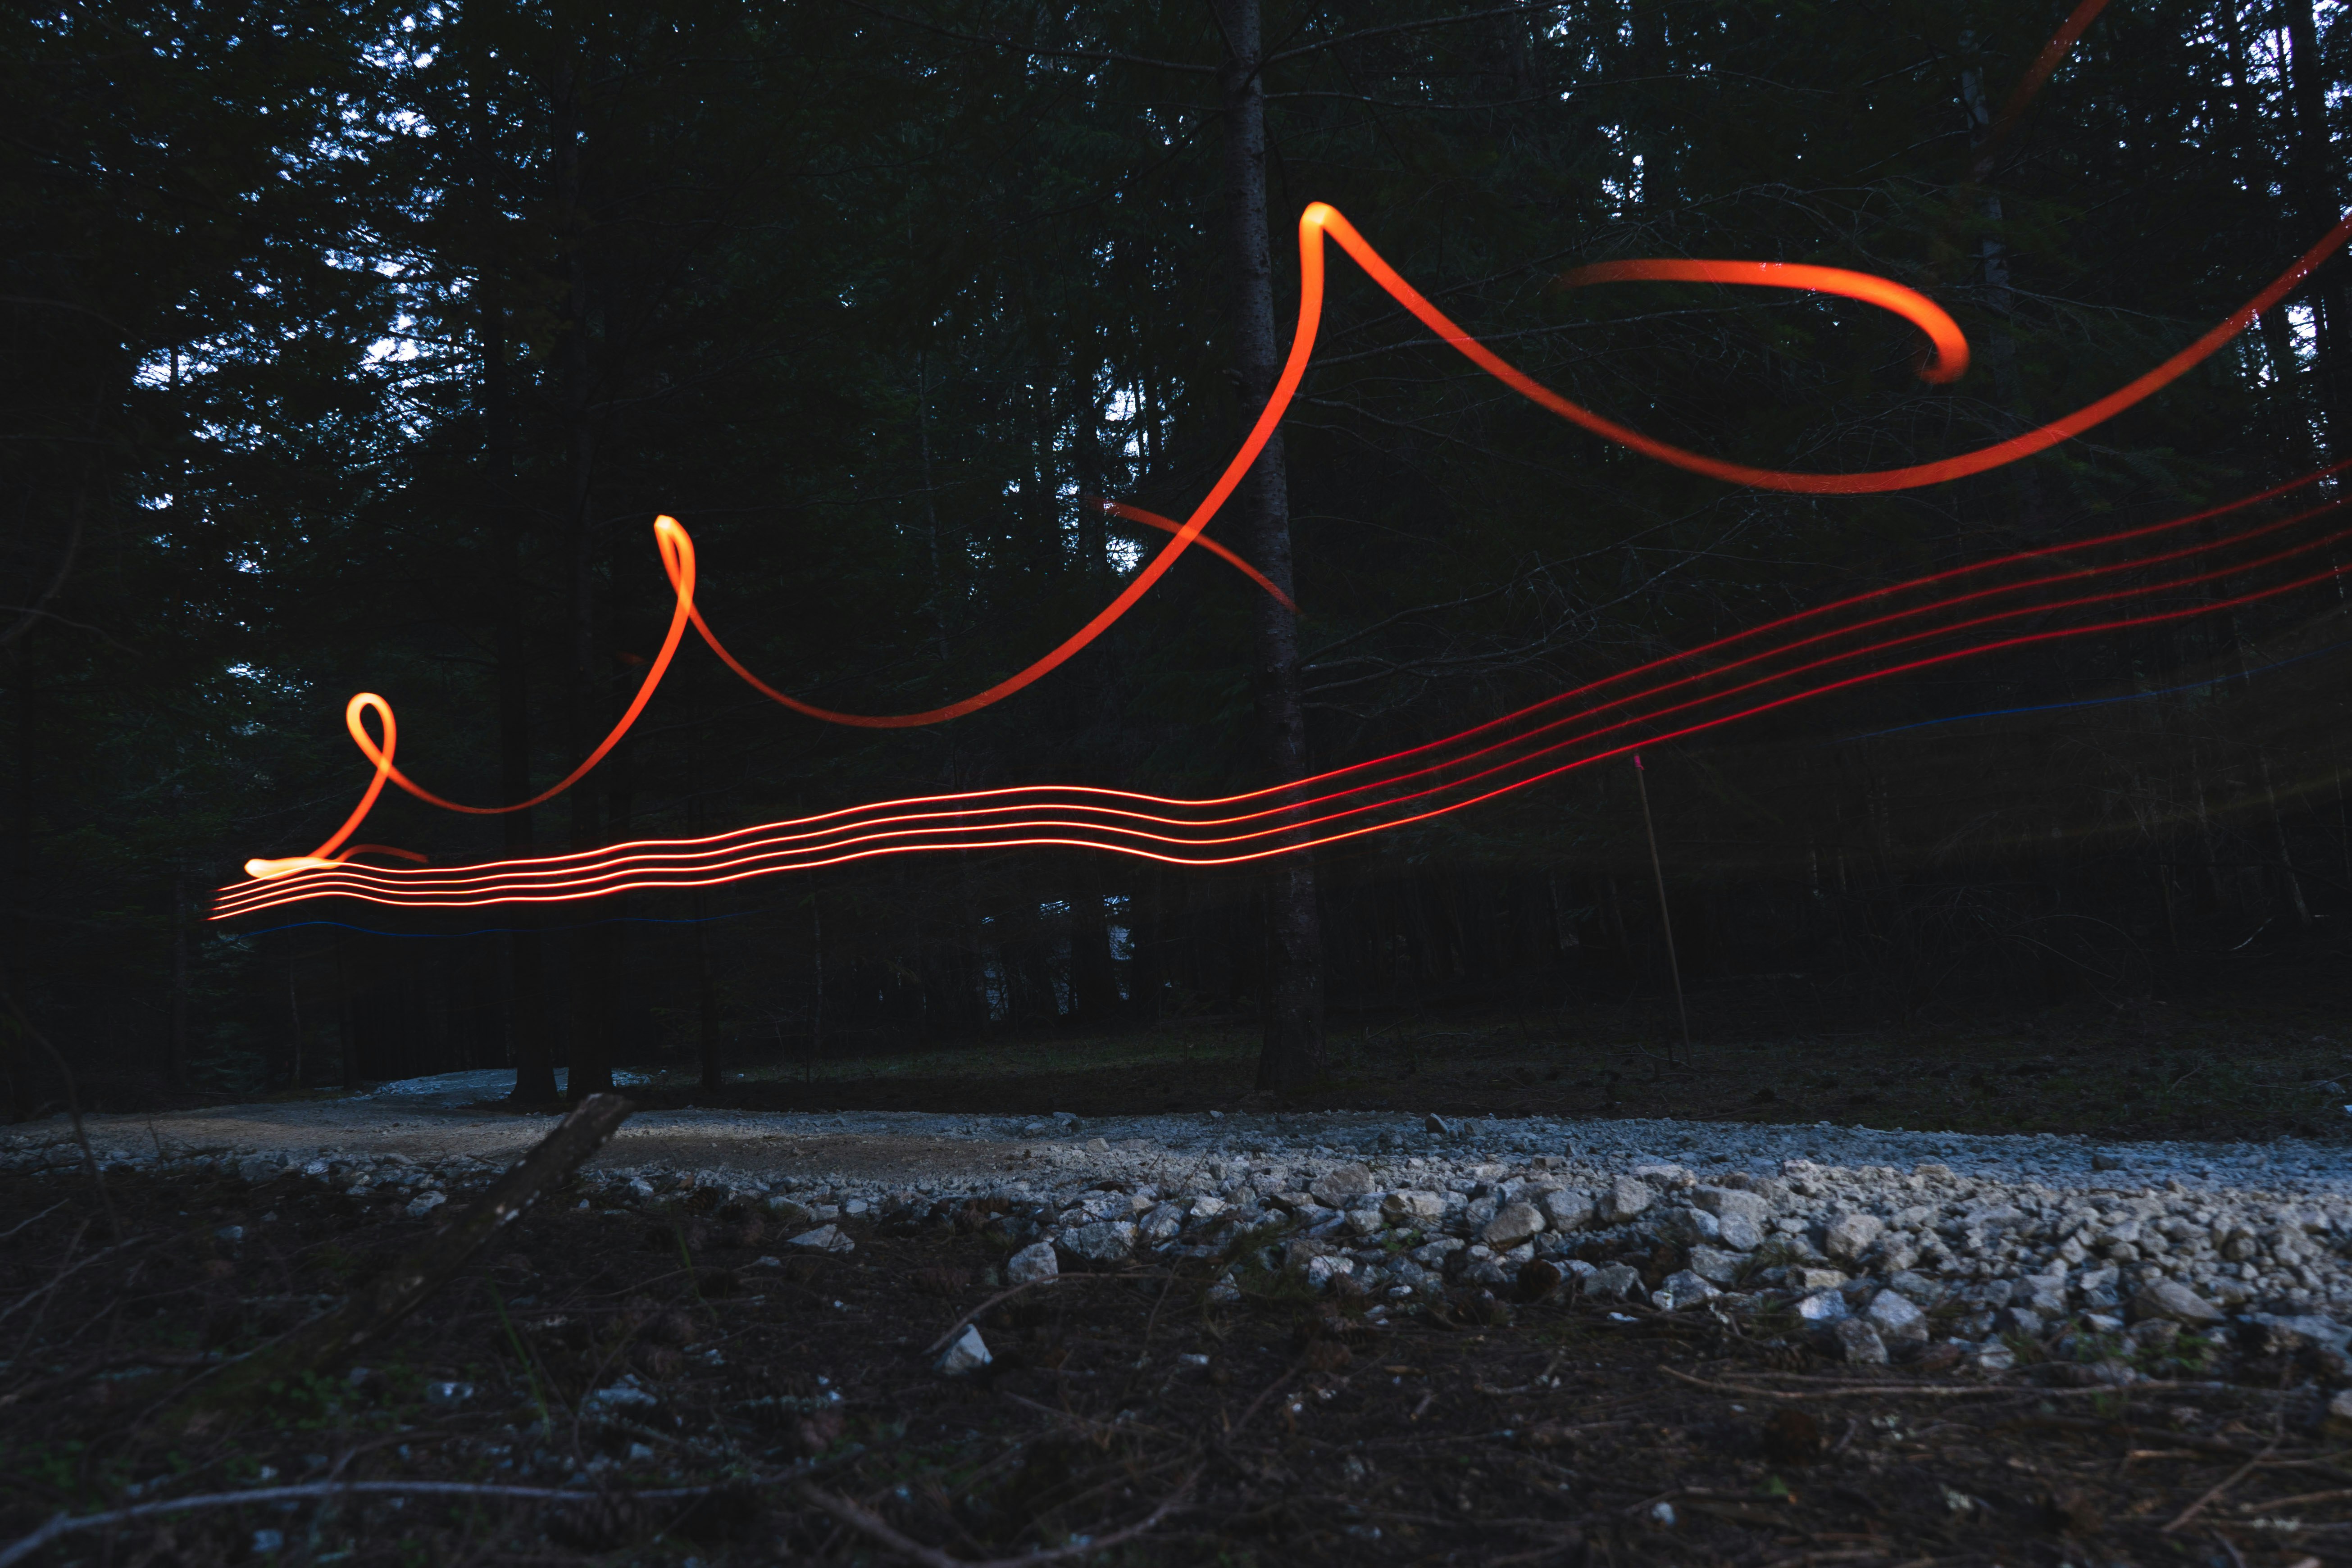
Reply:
x=1113 y=819
x=1320 y=219
x=674 y=863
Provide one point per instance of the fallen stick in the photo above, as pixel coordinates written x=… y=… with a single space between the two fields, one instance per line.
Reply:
x=73 y=1105
x=878 y=1530
x=21 y=1224
x=957 y=1327
x=2220 y=1487
x=405 y=1286
x=1889 y=1390
x=69 y=1524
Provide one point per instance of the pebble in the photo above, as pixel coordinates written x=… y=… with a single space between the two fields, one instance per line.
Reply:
x=2047 y=1230
x=1030 y=1264
x=966 y=1355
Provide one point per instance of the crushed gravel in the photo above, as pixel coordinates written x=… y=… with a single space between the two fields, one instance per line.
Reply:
x=1852 y=1226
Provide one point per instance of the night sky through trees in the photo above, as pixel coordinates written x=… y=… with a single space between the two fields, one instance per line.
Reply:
x=358 y=347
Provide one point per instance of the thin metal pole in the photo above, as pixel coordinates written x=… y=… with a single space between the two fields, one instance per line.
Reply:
x=1674 y=964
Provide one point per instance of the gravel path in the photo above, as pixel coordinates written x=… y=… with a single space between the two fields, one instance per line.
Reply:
x=2022 y=1234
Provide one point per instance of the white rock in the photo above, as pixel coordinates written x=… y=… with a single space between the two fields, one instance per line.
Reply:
x=1725 y=1202
x=1030 y=1264
x=424 y=1203
x=1896 y=1319
x=967 y=1355
x=1338 y=1187
x=1716 y=1265
x=1849 y=1236
x=1106 y=1242
x=1625 y=1198
x=1858 y=1344
x=1738 y=1232
x=1613 y=1282
x=1684 y=1288
x=1566 y=1209
x=1413 y=1208
x=1823 y=1307
x=624 y=1393
x=1512 y=1224
x=824 y=1238
x=1321 y=1271
x=2170 y=1298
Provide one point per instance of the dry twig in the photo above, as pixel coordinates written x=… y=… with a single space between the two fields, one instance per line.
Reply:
x=69 y=1524
x=2217 y=1488
x=878 y=1530
x=404 y=1287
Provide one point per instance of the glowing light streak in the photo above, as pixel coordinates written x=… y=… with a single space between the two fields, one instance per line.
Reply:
x=1321 y=218
x=990 y=821
x=677 y=559
x=323 y=873
x=1951 y=361
x=613 y=880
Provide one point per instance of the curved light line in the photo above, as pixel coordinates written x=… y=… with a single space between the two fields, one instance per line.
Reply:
x=612 y=867
x=1951 y=361
x=393 y=897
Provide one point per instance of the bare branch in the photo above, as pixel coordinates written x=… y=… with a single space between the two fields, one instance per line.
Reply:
x=1408 y=27
x=1031 y=51
x=67 y=1524
x=875 y=1528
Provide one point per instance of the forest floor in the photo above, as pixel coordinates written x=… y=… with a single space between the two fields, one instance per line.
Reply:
x=609 y=1388
x=2240 y=1068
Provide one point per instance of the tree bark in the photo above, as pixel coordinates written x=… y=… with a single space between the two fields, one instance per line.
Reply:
x=593 y=960
x=506 y=524
x=1293 y=1052
x=2316 y=195
x=176 y=1063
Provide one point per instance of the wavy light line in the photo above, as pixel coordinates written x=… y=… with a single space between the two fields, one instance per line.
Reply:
x=384 y=887
x=323 y=873
x=985 y=818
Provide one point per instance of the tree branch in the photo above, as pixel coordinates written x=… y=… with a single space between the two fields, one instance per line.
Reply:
x=67 y=1524
x=1407 y=27
x=1030 y=50
x=877 y=1528
x=405 y=1286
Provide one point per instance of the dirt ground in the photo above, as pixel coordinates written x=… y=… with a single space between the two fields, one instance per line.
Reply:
x=2246 y=1069
x=794 y=1413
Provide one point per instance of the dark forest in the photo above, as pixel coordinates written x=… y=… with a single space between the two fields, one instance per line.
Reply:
x=356 y=347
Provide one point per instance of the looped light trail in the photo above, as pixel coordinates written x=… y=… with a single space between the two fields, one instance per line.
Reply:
x=1200 y=832
x=328 y=873
x=677 y=558
x=1321 y=218
x=1951 y=361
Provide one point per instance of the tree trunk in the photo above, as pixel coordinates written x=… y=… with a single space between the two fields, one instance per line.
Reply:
x=590 y=1044
x=506 y=525
x=347 y=1031
x=1094 y=981
x=1292 y=982
x=175 y=1064
x=2316 y=192
x=2000 y=345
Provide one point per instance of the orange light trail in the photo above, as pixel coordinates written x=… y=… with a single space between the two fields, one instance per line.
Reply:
x=326 y=873
x=1114 y=820
x=1951 y=361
